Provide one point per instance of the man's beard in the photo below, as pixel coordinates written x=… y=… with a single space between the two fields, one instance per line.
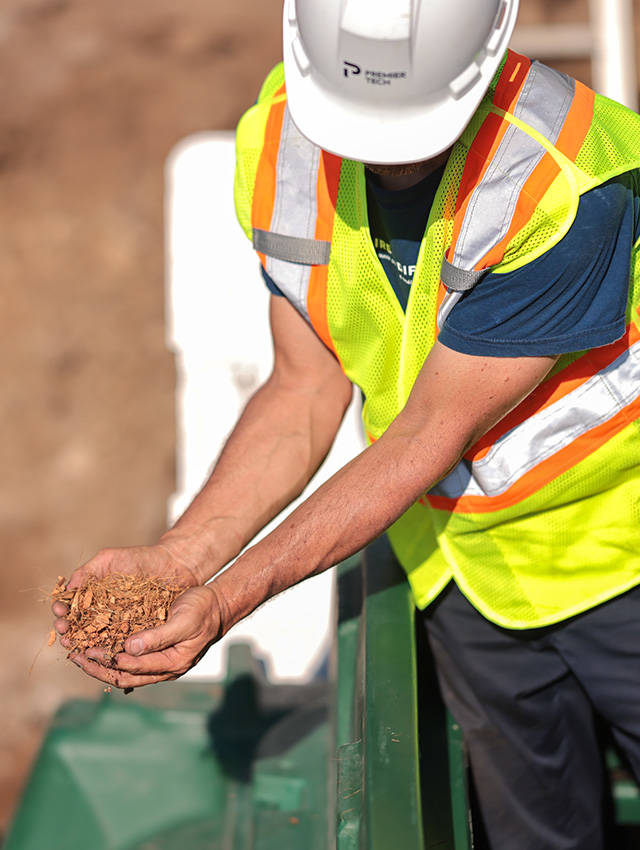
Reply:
x=395 y=170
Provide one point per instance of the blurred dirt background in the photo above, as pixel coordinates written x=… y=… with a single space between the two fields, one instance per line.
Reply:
x=93 y=95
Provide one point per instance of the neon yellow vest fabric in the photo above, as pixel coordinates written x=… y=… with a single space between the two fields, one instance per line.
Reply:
x=540 y=522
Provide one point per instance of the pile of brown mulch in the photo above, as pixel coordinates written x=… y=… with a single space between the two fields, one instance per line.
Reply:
x=105 y=611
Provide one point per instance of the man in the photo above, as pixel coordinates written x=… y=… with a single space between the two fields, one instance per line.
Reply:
x=497 y=351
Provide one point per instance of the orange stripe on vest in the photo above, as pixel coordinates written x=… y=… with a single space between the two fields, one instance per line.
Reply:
x=327 y=194
x=264 y=194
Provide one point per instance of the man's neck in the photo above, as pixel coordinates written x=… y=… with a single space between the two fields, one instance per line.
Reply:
x=398 y=177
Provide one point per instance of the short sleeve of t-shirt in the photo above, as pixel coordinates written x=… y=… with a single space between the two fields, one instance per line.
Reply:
x=273 y=287
x=572 y=298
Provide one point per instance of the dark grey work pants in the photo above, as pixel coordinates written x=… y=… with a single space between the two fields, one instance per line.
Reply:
x=525 y=703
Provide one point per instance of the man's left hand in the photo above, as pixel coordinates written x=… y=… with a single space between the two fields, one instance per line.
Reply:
x=165 y=652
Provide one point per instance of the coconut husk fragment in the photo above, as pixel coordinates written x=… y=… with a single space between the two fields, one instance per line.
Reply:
x=105 y=611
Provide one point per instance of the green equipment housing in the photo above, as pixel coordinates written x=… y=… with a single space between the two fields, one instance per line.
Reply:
x=366 y=760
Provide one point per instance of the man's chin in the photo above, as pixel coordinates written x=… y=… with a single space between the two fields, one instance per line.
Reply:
x=395 y=170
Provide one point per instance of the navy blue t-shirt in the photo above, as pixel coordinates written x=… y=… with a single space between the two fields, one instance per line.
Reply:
x=571 y=298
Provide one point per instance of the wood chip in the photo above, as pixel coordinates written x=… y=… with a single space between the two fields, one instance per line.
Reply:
x=105 y=611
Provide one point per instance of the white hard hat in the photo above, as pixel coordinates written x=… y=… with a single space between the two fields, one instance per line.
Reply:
x=391 y=81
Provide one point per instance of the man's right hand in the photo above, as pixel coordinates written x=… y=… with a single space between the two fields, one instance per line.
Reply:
x=160 y=560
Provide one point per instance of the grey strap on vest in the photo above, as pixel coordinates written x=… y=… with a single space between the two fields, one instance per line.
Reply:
x=459 y=280
x=292 y=249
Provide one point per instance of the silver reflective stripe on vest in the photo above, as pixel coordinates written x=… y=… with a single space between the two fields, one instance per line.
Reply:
x=293 y=249
x=542 y=435
x=293 y=223
x=544 y=103
x=448 y=303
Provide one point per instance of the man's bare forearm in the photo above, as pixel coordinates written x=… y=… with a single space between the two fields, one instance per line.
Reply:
x=277 y=445
x=354 y=507
x=365 y=497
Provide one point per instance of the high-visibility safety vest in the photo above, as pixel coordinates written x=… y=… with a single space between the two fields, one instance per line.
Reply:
x=541 y=518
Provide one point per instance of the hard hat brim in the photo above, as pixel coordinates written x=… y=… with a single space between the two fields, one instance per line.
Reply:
x=383 y=136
